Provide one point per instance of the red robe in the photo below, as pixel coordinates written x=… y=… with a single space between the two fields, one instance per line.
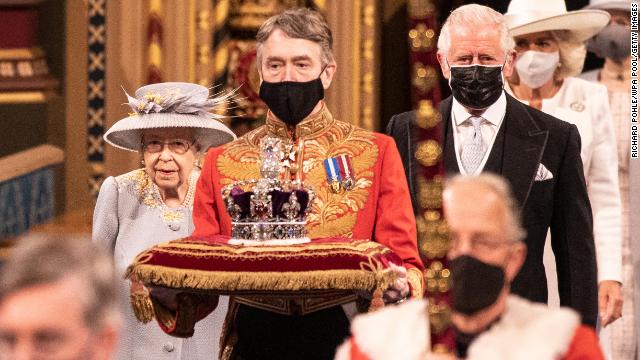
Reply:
x=379 y=206
x=525 y=330
x=584 y=346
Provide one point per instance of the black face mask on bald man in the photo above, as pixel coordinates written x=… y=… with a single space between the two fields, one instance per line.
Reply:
x=476 y=284
x=292 y=101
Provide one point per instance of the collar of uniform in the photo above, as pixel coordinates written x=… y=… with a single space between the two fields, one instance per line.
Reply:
x=492 y=114
x=311 y=125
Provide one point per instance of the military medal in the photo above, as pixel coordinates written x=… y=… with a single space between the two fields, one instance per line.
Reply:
x=333 y=174
x=346 y=171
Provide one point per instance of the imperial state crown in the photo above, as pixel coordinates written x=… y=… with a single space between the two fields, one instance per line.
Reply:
x=268 y=210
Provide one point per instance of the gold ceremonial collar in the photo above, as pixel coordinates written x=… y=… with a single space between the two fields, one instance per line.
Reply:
x=312 y=125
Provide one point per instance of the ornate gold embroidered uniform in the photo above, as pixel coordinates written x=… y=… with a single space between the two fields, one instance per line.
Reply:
x=377 y=207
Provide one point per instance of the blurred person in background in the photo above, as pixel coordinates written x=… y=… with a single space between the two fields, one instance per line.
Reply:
x=169 y=126
x=550 y=46
x=58 y=301
x=613 y=44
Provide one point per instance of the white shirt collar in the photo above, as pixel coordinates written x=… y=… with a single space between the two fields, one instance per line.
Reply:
x=492 y=114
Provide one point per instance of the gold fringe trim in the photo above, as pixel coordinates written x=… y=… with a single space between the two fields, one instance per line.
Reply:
x=142 y=306
x=261 y=281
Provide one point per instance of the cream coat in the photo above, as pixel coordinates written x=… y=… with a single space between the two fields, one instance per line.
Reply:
x=130 y=217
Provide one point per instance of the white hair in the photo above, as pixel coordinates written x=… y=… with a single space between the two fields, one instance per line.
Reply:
x=474 y=16
x=572 y=53
x=500 y=187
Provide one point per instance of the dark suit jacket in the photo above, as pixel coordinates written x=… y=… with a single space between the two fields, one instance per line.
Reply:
x=527 y=138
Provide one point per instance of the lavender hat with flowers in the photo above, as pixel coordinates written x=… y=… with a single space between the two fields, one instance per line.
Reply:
x=172 y=105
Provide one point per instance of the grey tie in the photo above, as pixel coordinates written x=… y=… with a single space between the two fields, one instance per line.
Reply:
x=473 y=148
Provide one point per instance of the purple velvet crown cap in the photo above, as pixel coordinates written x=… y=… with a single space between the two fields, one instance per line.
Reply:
x=278 y=199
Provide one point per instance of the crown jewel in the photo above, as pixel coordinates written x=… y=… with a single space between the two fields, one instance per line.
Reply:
x=268 y=210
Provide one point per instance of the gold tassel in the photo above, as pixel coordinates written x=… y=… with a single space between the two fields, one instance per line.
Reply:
x=142 y=306
x=377 y=302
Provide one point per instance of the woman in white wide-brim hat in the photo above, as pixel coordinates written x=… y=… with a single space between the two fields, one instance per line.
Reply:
x=550 y=46
x=613 y=43
x=169 y=125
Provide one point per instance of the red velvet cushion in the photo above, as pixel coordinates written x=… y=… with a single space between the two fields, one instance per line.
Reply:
x=211 y=264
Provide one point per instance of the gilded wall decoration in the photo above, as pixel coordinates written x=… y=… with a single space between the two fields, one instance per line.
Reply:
x=154 y=42
x=433 y=238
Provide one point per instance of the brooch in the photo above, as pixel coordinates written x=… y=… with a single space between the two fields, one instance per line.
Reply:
x=577 y=106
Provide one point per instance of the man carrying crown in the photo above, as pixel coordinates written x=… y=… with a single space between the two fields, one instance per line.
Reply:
x=359 y=182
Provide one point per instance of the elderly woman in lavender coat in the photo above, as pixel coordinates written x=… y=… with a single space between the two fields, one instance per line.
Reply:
x=169 y=125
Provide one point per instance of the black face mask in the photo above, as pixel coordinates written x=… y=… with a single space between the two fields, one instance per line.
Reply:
x=476 y=285
x=292 y=101
x=477 y=86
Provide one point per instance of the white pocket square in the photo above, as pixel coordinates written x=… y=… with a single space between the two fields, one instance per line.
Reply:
x=543 y=173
